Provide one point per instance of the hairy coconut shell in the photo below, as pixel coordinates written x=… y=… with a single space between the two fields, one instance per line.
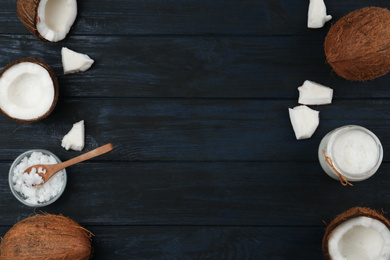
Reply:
x=358 y=45
x=347 y=215
x=27 y=11
x=46 y=237
x=52 y=76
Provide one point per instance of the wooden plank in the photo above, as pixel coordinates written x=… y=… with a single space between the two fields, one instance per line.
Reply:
x=172 y=17
x=203 y=193
x=172 y=67
x=194 y=97
x=191 y=129
x=208 y=243
x=248 y=17
x=175 y=17
x=151 y=242
x=256 y=67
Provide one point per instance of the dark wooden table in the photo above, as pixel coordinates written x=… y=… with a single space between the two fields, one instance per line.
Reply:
x=194 y=95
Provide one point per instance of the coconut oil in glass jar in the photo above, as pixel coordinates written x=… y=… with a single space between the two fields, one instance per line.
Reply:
x=350 y=153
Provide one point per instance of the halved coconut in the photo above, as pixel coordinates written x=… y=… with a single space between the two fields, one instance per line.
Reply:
x=48 y=20
x=359 y=233
x=28 y=90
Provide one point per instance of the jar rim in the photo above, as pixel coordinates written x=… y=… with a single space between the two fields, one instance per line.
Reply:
x=354 y=176
x=17 y=195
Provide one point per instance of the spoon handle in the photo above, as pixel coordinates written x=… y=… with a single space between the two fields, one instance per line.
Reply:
x=91 y=154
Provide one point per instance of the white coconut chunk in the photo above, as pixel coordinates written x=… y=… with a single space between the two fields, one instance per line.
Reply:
x=41 y=170
x=317 y=17
x=360 y=238
x=304 y=121
x=26 y=91
x=75 y=138
x=312 y=93
x=73 y=62
x=55 y=18
x=32 y=178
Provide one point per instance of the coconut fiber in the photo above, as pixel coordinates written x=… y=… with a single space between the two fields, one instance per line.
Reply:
x=358 y=45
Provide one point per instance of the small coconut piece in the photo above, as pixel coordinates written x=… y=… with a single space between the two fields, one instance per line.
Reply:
x=358 y=47
x=75 y=138
x=48 y=20
x=359 y=233
x=46 y=236
x=73 y=62
x=304 y=121
x=312 y=93
x=317 y=17
x=28 y=90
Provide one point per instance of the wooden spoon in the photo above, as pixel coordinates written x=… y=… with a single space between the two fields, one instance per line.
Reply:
x=51 y=169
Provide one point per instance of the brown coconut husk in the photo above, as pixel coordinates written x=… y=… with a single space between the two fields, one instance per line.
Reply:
x=47 y=236
x=28 y=14
x=358 y=45
x=347 y=215
x=55 y=85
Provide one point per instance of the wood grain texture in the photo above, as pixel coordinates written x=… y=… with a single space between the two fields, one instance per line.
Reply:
x=191 y=129
x=190 y=17
x=166 y=242
x=194 y=95
x=209 y=243
x=176 y=17
x=203 y=194
x=226 y=67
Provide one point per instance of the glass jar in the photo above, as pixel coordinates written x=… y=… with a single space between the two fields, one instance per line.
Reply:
x=53 y=186
x=350 y=153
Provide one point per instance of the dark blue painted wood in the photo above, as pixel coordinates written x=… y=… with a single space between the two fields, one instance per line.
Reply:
x=194 y=97
x=176 y=17
x=199 y=66
x=167 y=242
x=247 y=17
x=203 y=194
x=210 y=243
x=149 y=129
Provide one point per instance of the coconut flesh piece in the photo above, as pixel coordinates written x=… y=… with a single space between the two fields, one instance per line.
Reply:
x=316 y=16
x=75 y=138
x=312 y=93
x=73 y=62
x=304 y=121
x=28 y=91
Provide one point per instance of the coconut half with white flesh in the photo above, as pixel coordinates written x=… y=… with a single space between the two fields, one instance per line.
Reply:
x=28 y=90
x=359 y=233
x=48 y=20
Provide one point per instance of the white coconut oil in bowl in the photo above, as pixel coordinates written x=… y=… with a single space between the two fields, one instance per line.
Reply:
x=350 y=153
x=24 y=191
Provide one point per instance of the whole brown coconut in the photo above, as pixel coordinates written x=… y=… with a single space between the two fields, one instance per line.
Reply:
x=350 y=214
x=358 y=45
x=46 y=237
